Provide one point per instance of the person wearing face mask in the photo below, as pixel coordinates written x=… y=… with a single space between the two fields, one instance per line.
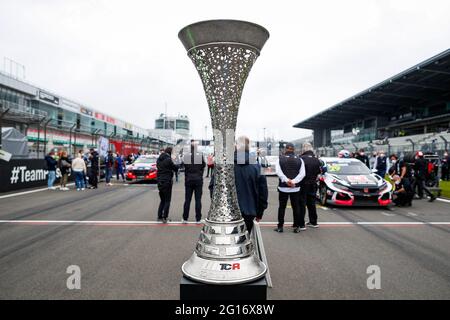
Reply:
x=393 y=168
x=381 y=164
x=361 y=156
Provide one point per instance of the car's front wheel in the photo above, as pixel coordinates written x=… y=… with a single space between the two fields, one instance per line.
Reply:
x=323 y=195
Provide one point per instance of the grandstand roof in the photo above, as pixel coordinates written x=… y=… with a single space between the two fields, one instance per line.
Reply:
x=425 y=84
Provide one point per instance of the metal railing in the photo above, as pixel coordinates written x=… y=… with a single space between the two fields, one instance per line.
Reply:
x=15 y=108
x=437 y=144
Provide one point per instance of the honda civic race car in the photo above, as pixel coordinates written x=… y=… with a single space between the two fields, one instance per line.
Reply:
x=143 y=168
x=348 y=182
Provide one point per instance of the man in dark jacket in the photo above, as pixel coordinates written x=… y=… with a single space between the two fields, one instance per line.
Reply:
x=290 y=171
x=420 y=169
x=394 y=168
x=361 y=156
x=402 y=197
x=93 y=179
x=194 y=166
x=445 y=166
x=166 y=169
x=51 y=167
x=308 y=186
x=381 y=164
x=251 y=185
x=406 y=181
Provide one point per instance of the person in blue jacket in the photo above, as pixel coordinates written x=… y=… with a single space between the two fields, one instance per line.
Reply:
x=51 y=167
x=120 y=164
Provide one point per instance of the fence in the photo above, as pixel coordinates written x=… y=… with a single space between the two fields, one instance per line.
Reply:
x=436 y=143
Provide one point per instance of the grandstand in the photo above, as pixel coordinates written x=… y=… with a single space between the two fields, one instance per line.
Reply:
x=407 y=112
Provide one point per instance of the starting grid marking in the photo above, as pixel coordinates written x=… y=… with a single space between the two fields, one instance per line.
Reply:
x=32 y=191
x=190 y=224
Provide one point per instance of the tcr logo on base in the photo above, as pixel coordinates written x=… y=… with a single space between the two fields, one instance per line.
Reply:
x=227 y=266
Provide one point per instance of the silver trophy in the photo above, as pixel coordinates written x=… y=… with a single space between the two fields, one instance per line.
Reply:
x=223 y=52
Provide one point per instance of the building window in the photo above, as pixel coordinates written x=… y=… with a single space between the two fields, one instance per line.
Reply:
x=170 y=124
x=183 y=124
x=159 y=124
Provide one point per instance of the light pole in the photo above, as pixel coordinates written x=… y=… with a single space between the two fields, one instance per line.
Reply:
x=264 y=137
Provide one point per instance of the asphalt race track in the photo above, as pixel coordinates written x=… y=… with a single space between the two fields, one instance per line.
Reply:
x=111 y=234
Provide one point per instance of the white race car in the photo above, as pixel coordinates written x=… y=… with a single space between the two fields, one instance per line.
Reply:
x=348 y=182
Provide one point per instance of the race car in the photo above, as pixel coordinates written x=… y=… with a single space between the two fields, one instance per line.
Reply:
x=268 y=165
x=142 y=169
x=348 y=182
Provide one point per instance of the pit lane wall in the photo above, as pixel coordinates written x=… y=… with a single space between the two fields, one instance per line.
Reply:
x=21 y=174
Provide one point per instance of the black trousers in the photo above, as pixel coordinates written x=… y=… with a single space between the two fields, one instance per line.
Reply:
x=420 y=184
x=165 y=194
x=283 y=197
x=209 y=170
x=445 y=173
x=191 y=187
x=403 y=198
x=248 y=219
x=308 y=200
x=120 y=172
x=93 y=179
x=408 y=185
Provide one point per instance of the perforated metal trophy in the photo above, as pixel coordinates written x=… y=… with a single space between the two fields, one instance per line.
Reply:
x=223 y=52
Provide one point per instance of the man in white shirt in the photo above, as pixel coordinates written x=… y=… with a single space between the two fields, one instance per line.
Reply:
x=291 y=171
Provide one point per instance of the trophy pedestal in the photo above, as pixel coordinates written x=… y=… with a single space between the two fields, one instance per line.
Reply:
x=190 y=290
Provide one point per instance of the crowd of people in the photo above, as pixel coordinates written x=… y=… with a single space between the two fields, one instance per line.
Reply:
x=85 y=168
x=297 y=183
x=297 y=175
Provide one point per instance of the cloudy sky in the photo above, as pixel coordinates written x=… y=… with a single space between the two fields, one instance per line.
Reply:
x=124 y=57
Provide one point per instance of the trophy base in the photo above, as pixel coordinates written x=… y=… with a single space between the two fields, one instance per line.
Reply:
x=224 y=271
x=192 y=291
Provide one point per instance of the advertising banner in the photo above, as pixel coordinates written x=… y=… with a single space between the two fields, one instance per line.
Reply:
x=44 y=96
x=87 y=111
x=22 y=173
x=103 y=146
x=100 y=116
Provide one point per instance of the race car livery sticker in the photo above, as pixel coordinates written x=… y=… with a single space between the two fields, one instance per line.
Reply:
x=336 y=167
x=360 y=179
